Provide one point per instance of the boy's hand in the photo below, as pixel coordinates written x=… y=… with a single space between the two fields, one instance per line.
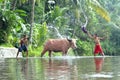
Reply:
x=84 y=30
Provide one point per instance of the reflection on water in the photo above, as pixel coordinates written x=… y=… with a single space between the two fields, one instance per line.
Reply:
x=54 y=69
x=99 y=64
x=24 y=68
x=60 y=68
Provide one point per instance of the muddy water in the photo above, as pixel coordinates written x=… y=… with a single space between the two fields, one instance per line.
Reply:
x=60 y=68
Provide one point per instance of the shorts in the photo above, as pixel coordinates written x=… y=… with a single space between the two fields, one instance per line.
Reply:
x=98 y=49
x=22 y=48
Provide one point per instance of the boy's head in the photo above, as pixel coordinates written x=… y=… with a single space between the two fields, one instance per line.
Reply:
x=95 y=35
x=24 y=35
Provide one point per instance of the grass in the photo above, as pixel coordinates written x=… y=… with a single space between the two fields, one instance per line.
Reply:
x=6 y=45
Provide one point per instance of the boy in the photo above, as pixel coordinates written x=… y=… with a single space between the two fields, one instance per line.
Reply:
x=98 y=48
x=23 y=45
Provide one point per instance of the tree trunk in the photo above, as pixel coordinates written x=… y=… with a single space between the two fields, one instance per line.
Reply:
x=31 y=20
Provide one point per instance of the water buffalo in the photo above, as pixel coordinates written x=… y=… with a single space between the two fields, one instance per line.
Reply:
x=58 y=45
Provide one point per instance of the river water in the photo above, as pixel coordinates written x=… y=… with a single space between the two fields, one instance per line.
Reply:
x=60 y=68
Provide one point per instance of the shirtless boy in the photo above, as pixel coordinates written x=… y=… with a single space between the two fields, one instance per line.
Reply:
x=98 y=48
x=23 y=45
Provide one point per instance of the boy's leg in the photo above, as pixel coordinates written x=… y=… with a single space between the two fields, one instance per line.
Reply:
x=25 y=50
x=95 y=54
x=19 y=50
x=103 y=54
x=17 y=54
x=27 y=53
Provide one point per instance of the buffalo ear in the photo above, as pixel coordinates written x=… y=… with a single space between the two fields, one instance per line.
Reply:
x=70 y=40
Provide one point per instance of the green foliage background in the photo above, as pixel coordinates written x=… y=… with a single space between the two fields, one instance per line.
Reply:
x=67 y=16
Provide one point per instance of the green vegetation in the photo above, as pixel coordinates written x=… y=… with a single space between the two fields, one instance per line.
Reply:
x=34 y=18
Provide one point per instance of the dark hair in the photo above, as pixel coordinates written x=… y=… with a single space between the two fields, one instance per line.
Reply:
x=95 y=34
x=24 y=35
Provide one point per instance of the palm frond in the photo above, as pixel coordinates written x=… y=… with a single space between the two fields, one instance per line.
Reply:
x=99 y=9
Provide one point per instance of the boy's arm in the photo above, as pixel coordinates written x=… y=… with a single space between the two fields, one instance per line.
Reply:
x=102 y=38
x=20 y=42
x=90 y=35
x=26 y=41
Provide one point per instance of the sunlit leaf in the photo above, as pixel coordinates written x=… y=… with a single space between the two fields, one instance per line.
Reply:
x=1 y=0
x=20 y=12
x=99 y=9
x=23 y=27
x=77 y=12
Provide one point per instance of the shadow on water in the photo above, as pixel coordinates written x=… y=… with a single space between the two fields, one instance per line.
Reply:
x=60 y=68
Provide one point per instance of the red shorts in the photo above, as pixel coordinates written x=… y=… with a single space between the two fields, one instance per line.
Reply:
x=98 y=49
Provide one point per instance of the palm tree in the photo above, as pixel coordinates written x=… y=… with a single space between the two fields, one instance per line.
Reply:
x=32 y=20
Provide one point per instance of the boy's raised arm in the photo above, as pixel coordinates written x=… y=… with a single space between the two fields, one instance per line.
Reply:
x=102 y=38
x=90 y=35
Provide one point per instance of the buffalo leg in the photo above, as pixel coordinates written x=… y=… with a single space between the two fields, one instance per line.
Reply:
x=43 y=52
x=50 y=53
x=64 y=53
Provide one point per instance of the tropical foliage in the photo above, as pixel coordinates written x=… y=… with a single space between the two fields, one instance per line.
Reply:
x=41 y=20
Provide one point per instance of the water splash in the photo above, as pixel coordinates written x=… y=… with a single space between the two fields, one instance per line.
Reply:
x=56 y=31
x=101 y=76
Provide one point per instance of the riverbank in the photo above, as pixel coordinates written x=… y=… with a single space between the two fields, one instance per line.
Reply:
x=6 y=52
